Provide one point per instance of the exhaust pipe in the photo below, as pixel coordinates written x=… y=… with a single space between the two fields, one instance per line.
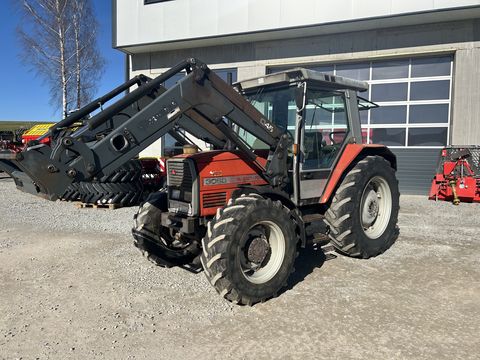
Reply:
x=190 y=149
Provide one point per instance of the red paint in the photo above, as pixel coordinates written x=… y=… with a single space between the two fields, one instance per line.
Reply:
x=27 y=138
x=229 y=164
x=349 y=154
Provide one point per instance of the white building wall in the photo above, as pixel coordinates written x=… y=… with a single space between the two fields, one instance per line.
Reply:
x=173 y=21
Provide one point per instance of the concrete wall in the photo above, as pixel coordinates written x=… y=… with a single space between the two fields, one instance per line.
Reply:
x=459 y=37
x=466 y=100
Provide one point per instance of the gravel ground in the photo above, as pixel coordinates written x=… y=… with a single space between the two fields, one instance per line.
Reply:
x=73 y=286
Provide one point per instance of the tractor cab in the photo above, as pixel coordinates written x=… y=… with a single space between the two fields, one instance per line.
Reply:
x=319 y=112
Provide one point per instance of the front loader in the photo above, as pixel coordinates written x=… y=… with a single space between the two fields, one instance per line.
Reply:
x=285 y=161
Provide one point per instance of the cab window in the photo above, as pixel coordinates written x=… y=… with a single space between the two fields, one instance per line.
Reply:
x=326 y=128
x=278 y=106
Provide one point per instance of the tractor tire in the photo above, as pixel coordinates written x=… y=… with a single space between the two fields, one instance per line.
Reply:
x=72 y=193
x=154 y=240
x=124 y=194
x=250 y=249
x=362 y=218
x=122 y=187
x=129 y=172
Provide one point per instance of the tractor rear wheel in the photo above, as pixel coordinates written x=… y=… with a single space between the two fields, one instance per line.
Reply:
x=155 y=241
x=362 y=218
x=250 y=249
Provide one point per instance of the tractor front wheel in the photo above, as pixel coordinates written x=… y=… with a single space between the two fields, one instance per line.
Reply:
x=156 y=241
x=250 y=249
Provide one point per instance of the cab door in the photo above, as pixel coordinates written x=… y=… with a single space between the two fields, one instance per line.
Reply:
x=325 y=132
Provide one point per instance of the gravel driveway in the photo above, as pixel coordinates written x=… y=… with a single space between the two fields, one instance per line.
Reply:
x=73 y=286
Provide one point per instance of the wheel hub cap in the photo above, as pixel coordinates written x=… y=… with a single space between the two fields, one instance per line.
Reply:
x=370 y=209
x=376 y=207
x=263 y=252
x=258 y=250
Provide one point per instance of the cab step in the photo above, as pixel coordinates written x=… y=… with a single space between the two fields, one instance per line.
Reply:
x=309 y=218
x=329 y=251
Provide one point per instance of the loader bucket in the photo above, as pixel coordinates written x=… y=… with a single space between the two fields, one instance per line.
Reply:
x=22 y=181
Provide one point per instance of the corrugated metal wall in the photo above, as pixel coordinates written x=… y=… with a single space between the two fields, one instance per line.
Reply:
x=416 y=168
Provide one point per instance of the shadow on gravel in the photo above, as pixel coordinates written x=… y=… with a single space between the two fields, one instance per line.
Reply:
x=308 y=260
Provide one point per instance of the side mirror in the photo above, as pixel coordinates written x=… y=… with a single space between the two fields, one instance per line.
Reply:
x=299 y=96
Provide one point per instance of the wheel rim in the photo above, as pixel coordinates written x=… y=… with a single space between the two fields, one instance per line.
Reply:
x=376 y=207
x=263 y=252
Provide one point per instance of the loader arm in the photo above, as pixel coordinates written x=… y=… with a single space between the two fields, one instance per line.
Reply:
x=201 y=103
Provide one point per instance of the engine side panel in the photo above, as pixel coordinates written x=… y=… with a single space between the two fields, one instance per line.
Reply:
x=221 y=176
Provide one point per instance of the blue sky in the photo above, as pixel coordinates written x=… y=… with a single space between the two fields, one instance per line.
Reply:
x=23 y=96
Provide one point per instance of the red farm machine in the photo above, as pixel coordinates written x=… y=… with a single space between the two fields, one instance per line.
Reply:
x=285 y=157
x=11 y=140
x=458 y=175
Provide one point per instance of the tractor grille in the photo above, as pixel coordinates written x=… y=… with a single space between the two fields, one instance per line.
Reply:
x=179 y=175
x=180 y=180
x=214 y=200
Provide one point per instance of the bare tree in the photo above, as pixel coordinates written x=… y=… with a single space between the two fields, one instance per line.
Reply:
x=88 y=62
x=59 y=43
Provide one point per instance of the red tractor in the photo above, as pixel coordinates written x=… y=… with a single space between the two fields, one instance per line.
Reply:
x=286 y=157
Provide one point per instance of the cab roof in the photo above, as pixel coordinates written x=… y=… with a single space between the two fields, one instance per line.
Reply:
x=295 y=75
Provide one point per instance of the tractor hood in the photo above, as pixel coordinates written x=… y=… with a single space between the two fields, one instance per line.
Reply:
x=207 y=157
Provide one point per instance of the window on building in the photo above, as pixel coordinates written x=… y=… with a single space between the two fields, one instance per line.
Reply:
x=170 y=146
x=414 y=95
x=359 y=71
x=392 y=69
x=228 y=75
x=146 y=2
x=396 y=114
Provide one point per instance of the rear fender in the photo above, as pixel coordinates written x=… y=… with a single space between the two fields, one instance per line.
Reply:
x=352 y=154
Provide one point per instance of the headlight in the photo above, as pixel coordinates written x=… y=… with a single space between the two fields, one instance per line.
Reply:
x=190 y=210
x=175 y=194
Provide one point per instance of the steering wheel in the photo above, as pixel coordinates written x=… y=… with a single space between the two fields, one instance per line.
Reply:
x=290 y=136
x=291 y=140
x=332 y=136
